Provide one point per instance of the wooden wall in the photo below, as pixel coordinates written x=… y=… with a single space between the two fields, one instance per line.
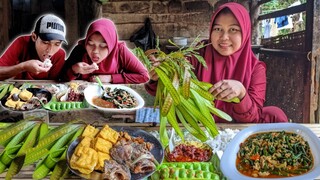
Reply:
x=188 y=18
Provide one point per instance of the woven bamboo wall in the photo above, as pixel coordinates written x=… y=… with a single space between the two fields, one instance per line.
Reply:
x=293 y=41
x=287 y=75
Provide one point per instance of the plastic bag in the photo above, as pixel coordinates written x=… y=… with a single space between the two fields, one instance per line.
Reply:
x=144 y=38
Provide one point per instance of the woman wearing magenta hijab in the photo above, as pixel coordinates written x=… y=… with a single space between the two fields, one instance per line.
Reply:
x=101 y=54
x=233 y=68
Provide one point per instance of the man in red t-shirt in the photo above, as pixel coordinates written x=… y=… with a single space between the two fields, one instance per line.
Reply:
x=36 y=56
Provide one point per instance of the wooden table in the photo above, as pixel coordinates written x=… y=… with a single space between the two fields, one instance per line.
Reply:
x=26 y=172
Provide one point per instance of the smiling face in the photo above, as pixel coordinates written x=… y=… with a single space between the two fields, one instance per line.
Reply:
x=226 y=35
x=46 y=49
x=97 y=48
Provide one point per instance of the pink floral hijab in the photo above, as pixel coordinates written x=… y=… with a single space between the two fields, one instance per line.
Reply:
x=238 y=66
x=108 y=31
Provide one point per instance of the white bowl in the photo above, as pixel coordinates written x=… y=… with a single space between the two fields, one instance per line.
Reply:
x=95 y=90
x=180 y=41
x=228 y=160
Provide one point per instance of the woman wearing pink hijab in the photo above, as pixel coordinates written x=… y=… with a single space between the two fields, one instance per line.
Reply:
x=233 y=68
x=101 y=54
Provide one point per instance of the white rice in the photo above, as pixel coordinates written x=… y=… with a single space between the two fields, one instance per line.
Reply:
x=218 y=144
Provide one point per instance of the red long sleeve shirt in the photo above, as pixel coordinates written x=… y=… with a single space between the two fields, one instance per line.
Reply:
x=23 y=49
x=126 y=69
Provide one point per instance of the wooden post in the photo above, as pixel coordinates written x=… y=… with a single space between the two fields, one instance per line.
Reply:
x=315 y=111
x=72 y=21
x=4 y=24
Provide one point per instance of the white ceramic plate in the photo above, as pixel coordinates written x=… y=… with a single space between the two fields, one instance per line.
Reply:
x=228 y=160
x=95 y=90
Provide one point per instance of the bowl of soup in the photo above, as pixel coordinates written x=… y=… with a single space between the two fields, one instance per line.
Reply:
x=272 y=151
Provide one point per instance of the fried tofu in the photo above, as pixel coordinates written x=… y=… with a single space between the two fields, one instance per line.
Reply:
x=25 y=95
x=15 y=91
x=90 y=131
x=102 y=145
x=93 y=140
x=109 y=134
x=86 y=141
x=20 y=104
x=84 y=159
x=101 y=158
x=11 y=103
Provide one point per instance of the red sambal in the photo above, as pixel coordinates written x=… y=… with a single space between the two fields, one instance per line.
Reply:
x=103 y=103
x=189 y=153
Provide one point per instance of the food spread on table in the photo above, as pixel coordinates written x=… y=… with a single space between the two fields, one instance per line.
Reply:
x=62 y=97
x=118 y=153
x=112 y=153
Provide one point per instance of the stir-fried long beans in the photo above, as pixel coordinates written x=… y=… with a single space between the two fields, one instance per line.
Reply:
x=274 y=154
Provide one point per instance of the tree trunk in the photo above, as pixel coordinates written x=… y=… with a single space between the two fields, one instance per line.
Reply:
x=254 y=14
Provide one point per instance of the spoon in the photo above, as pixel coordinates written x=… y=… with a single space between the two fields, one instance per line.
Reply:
x=104 y=93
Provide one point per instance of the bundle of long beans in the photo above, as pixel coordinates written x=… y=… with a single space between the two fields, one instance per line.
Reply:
x=180 y=95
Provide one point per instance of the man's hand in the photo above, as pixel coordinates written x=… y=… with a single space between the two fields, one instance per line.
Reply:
x=35 y=66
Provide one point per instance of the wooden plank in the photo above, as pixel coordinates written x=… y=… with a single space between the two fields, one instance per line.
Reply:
x=283 y=52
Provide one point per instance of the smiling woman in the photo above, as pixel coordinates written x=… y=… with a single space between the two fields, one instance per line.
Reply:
x=232 y=68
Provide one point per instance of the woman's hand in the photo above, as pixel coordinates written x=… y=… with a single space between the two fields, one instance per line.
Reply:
x=227 y=89
x=83 y=68
x=103 y=78
x=35 y=66
x=155 y=63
